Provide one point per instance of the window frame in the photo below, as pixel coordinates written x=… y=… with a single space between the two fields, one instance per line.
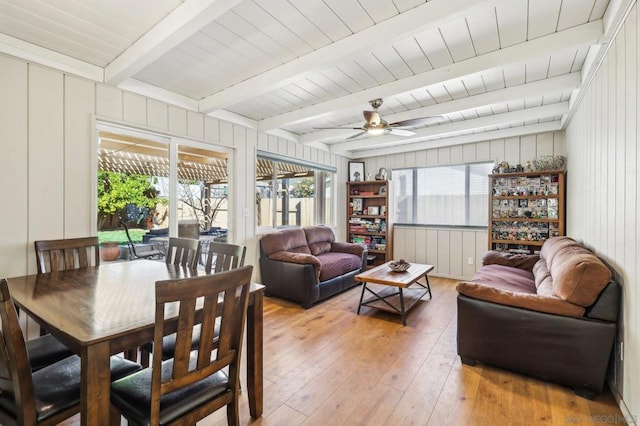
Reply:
x=467 y=200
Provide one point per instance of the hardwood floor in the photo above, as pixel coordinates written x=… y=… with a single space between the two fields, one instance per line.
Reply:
x=328 y=366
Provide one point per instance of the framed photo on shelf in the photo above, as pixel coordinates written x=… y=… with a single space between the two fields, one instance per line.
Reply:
x=356 y=171
x=373 y=210
x=357 y=205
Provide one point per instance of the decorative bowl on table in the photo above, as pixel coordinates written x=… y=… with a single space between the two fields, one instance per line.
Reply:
x=399 y=265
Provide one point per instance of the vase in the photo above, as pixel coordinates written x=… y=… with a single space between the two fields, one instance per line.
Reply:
x=109 y=251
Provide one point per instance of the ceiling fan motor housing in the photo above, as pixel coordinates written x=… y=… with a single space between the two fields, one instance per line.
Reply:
x=376 y=103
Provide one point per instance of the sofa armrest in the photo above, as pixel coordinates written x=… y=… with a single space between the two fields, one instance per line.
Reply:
x=533 y=302
x=301 y=258
x=607 y=305
x=351 y=248
x=521 y=261
x=292 y=281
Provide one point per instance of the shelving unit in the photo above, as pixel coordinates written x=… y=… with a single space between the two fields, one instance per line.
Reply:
x=368 y=218
x=525 y=209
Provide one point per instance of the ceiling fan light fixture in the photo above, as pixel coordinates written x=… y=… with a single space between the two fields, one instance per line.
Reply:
x=375 y=131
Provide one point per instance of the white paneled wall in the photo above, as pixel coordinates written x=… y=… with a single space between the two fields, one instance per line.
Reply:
x=603 y=190
x=450 y=249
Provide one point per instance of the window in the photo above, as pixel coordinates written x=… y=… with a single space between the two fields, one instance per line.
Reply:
x=444 y=195
x=292 y=193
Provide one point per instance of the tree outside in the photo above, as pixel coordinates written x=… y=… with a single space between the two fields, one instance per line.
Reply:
x=118 y=193
x=303 y=188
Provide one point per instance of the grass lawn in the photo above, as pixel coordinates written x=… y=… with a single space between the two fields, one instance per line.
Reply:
x=120 y=236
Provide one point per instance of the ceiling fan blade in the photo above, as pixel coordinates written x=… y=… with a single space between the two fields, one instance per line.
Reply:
x=357 y=135
x=337 y=128
x=413 y=122
x=401 y=132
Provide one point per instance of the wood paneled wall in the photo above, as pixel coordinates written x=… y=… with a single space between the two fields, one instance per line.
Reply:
x=450 y=249
x=603 y=189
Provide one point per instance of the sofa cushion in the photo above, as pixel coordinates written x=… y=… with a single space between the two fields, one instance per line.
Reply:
x=319 y=239
x=522 y=261
x=292 y=240
x=534 y=302
x=336 y=264
x=554 y=245
x=506 y=278
x=578 y=275
x=542 y=277
x=300 y=258
x=352 y=248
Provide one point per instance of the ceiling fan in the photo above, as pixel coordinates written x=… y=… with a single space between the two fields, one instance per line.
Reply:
x=374 y=125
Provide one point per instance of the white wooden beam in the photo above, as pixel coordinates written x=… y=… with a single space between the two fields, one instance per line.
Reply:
x=415 y=21
x=537 y=88
x=234 y=118
x=158 y=93
x=550 y=126
x=475 y=124
x=572 y=38
x=284 y=135
x=39 y=55
x=180 y=24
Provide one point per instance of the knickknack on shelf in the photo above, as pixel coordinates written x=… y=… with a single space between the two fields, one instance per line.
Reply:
x=525 y=210
x=369 y=219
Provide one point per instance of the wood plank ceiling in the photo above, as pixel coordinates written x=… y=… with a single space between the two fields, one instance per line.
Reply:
x=483 y=69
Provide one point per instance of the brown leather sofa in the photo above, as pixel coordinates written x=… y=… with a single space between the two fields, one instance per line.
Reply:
x=306 y=265
x=551 y=316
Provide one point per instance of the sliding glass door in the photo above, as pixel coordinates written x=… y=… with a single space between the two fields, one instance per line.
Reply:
x=160 y=186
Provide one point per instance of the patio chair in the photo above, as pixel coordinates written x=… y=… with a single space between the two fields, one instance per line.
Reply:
x=135 y=254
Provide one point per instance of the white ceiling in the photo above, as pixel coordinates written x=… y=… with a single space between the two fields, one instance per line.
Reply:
x=485 y=68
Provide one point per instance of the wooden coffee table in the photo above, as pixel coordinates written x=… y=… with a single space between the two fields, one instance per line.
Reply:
x=401 y=289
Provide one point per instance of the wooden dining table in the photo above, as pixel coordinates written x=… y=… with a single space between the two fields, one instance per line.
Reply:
x=105 y=310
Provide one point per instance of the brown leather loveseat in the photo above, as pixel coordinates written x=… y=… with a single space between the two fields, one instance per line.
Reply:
x=307 y=264
x=551 y=316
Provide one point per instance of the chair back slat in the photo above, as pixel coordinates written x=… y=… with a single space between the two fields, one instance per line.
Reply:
x=223 y=257
x=183 y=252
x=66 y=254
x=15 y=369
x=204 y=299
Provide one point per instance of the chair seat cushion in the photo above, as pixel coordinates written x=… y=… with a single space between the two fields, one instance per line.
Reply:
x=46 y=350
x=132 y=394
x=57 y=386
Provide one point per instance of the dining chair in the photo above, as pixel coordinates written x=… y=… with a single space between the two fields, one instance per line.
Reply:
x=180 y=252
x=183 y=252
x=44 y=397
x=65 y=254
x=223 y=257
x=193 y=384
x=220 y=257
